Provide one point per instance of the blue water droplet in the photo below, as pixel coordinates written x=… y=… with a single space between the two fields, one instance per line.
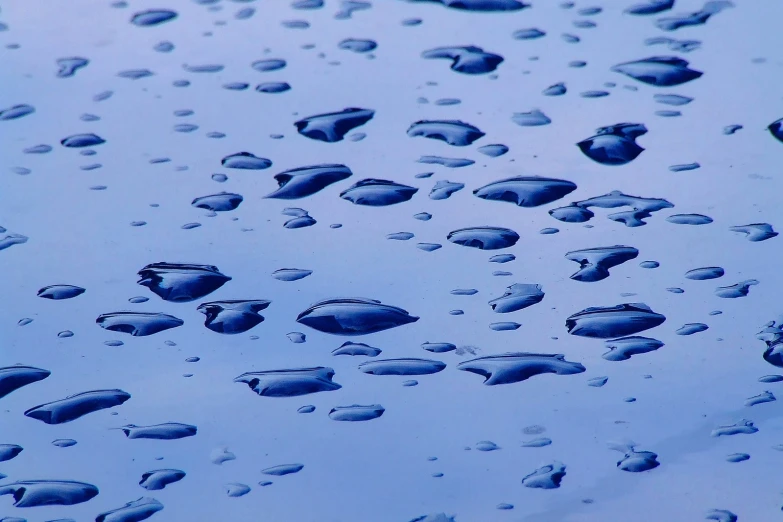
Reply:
x=233 y=317
x=353 y=316
x=661 y=71
x=138 y=324
x=467 y=60
x=516 y=367
x=615 y=144
x=546 y=477
x=595 y=262
x=153 y=17
x=245 y=161
x=332 y=127
x=356 y=412
x=378 y=193
x=613 y=321
x=78 y=405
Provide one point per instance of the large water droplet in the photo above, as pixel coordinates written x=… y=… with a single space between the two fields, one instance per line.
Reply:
x=516 y=367
x=467 y=60
x=356 y=412
x=595 y=262
x=353 y=316
x=615 y=144
x=378 y=193
x=661 y=71
x=333 y=126
x=75 y=406
x=181 y=282
x=484 y=238
x=290 y=383
x=613 y=321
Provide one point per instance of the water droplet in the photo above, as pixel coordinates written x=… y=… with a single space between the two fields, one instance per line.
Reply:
x=65 y=334
x=453 y=132
x=526 y=191
x=181 y=282
x=516 y=367
x=467 y=60
x=613 y=321
x=534 y=118
x=306 y=181
x=290 y=383
x=597 y=382
x=742 y=427
x=332 y=127
x=69 y=66
x=18 y=111
x=165 y=431
x=24 y=322
x=139 y=509
x=38 y=149
x=761 y=398
x=58 y=292
x=236 y=489
x=75 y=406
x=701 y=274
x=438 y=347
x=484 y=238
x=306 y=409
x=160 y=478
x=236 y=86
x=233 y=317
x=731 y=129
x=624 y=348
x=400 y=236
x=163 y=47
x=357 y=45
x=356 y=412
x=650 y=7
x=517 y=297
x=82 y=140
x=487 y=445
x=283 y=469
x=451 y=163
x=721 y=515
x=615 y=144
x=649 y=264
x=596 y=262
x=296 y=337
x=691 y=328
x=9 y=451
x=137 y=74
x=405 y=366
x=271 y=64
x=636 y=461
x=661 y=71
x=740 y=289
x=64 y=443
x=504 y=326
x=138 y=324
x=378 y=193
x=671 y=23
x=354 y=316
x=245 y=161
x=33 y=493
x=538 y=442
x=349 y=348
x=546 y=477
x=222 y=202
x=528 y=34
x=756 y=231
x=593 y=94
x=153 y=17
